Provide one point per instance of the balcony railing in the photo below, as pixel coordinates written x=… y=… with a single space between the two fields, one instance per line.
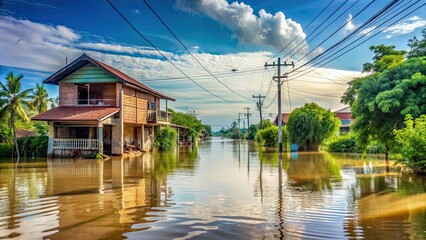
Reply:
x=88 y=102
x=159 y=116
x=75 y=143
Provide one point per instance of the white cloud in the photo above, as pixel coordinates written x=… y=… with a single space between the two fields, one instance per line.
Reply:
x=43 y=47
x=263 y=29
x=349 y=26
x=405 y=26
x=368 y=31
x=135 y=11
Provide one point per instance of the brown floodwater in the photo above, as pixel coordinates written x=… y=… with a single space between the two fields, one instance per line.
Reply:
x=223 y=189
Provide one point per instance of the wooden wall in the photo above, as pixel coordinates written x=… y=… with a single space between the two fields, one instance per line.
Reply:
x=135 y=106
x=67 y=94
x=89 y=74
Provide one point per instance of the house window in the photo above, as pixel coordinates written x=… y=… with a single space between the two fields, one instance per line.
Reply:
x=90 y=94
x=151 y=105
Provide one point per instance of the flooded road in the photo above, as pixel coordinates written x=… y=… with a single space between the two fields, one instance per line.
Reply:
x=224 y=189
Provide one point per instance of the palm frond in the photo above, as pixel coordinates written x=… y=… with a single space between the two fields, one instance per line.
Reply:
x=21 y=112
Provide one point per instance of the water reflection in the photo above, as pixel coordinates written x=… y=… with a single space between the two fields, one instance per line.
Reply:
x=224 y=189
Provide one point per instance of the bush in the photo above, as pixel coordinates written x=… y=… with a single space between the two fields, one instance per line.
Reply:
x=165 y=138
x=411 y=143
x=269 y=136
x=33 y=146
x=6 y=150
x=346 y=143
x=349 y=144
x=375 y=148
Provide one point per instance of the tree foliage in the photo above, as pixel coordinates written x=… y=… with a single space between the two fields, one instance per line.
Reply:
x=311 y=125
x=411 y=143
x=380 y=101
x=40 y=98
x=384 y=58
x=417 y=47
x=188 y=120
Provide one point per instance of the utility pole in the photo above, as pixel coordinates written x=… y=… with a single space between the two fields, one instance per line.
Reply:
x=259 y=105
x=279 y=83
x=248 y=114
x=239 y=120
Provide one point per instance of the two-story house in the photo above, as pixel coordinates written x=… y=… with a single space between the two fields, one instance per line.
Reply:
x=101 y=110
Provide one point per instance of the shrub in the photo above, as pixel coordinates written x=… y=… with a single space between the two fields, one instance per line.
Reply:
x=346 y=143
x=33 y=146
x=165 y=138
x=411 y=143
x=269 y=136
x=6 y=149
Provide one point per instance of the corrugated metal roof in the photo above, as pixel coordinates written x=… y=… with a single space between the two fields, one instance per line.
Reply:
x=76 y=113
x=85 y=59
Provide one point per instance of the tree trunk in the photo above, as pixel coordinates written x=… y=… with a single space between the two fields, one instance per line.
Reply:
x=387 y=153
x=14 y=135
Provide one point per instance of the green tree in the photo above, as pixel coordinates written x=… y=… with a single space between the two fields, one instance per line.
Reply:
x=188 y=120
x=252 y=130
x=380 y=101
x=208 y=130
x=14 y=102
x=411 y=143
x=384 y=57
x=40 y=98
x=417 y=47
x=310 y=125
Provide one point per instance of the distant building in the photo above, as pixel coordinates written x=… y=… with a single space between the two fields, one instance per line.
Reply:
x=345 y=116
x=101 y=109
x=284 y=119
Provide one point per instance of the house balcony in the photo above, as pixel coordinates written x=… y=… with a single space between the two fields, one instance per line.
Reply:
x=88 y=102
x=75 y=144
x=159 y=116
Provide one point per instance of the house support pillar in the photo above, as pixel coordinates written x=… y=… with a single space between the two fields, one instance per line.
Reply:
x=153 y=138
x=143 y=138
x=51 y=132
x=101 y=138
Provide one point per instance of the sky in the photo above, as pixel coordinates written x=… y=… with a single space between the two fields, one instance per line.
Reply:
x=228 y=44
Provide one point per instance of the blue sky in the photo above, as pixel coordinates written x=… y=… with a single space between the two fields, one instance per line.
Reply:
x=36 y=36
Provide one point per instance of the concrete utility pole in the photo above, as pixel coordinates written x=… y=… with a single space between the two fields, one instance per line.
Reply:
x=279 y=83
x=248 y=114
x=259 y=105
x=239 y=120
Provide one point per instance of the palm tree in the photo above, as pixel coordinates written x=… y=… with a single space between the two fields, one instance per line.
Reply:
x=39 y=98
x=54 y=102
x=14 y=101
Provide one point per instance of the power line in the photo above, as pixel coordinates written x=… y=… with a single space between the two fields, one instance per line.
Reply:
x=365 y=34
x=307 y=26
x=319 y=26
x=190 y=53
x=381 y=30
x=158 y=50
x=337 y=30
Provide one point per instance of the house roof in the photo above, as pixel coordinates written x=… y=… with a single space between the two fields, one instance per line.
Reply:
x=284 y=118
x=68 y=113
x=344 y=110
x=21 y=133
x=85 y=59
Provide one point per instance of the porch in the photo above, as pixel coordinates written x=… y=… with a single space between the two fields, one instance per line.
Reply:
x=159 y=116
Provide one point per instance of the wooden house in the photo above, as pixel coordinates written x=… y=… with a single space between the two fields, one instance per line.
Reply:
x=101 y=110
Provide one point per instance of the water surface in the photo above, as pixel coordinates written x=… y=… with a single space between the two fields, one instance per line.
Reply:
x=224 y=189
